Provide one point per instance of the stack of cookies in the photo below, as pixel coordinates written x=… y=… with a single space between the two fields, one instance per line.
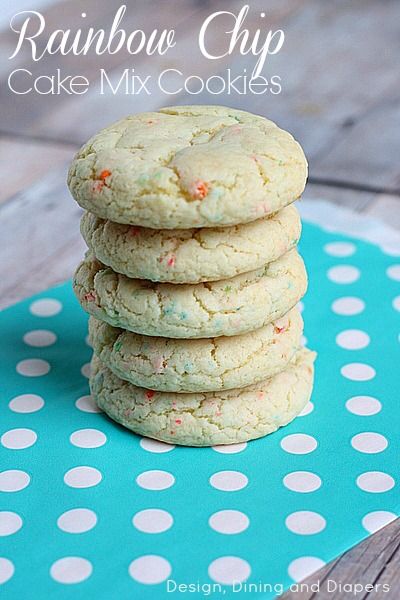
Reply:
x=192 y=276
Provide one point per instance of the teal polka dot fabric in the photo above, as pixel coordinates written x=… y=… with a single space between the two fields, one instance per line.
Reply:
x=89 y=510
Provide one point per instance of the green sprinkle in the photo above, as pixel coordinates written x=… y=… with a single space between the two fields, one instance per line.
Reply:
x=143 y=179
x=117 y=346
x=170 y=309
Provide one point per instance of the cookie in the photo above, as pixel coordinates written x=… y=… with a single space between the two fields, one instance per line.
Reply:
x=188 y=166
x=226 y=417
x=229 y=307
x=191 y=255
x=203 y=365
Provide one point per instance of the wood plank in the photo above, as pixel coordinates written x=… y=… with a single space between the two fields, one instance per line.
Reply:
x=376 y=560
x=28 y=113
x=67 y=118
x=339 y=89
x=335 y=114
x=41 y=245
x=24 y=161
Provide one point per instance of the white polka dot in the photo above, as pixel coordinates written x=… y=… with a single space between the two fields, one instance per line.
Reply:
x=71 y=569
x=10 y=522
x=377 y=519
x=340 y=249
x=303 y=340
x=300 y=306
x=391 y=249
x=343 y=274
x=18 y=439
x=302 y=567
x=229 y=521
x=369 y=442
x=230 y=448
x=87 y=404
x=229 y=570
x=348 y=306
x=393 y=272
x=228 y=481
x=155 y=480
x=309 y=407
x=358 y=372
x=88 y=438
x=302 y=481
x=6 y=569
x=305 y=522
x=85 y=370
x=155 y=446
x=353 y=339
x=82 y=477
x=77 y=520
x=152 y=520
x=33 y=367
x=299 y=443
x=26 y=403
x=375 y=482
x=47 y=307
x=150 y=569
x=396 y=303
x=13 y=480
x=363 y=406
x=40 y=338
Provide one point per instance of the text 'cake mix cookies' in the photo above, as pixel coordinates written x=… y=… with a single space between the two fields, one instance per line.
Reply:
x=192 y=274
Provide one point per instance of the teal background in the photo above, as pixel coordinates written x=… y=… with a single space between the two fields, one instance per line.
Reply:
x=190 y=545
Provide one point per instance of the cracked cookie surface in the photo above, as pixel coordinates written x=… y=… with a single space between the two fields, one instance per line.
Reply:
x=226 y=417
x=229 y=307
x=191 y=255
x=188 y=166
x=198 y=365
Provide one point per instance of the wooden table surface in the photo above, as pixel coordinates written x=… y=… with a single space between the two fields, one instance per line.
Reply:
x=340 y=98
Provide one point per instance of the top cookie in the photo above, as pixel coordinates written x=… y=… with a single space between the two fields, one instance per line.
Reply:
x=188 y=166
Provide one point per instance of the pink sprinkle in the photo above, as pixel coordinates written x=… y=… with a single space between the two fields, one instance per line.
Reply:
x=149 y=394
x=178 y=421
x=90 y=297
x=260 y=395
x=279 y=329
x=171 y=260
x=262 y=208
x=198 y=189
x=97 y=186
x=218 y=413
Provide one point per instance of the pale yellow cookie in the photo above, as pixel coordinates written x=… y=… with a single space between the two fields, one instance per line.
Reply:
x=230 y=307
x=198 y=365
x=226 y=417
x=191 y=255
x=188 y=166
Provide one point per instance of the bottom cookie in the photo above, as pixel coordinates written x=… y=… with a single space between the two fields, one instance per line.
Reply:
x=211 y=418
